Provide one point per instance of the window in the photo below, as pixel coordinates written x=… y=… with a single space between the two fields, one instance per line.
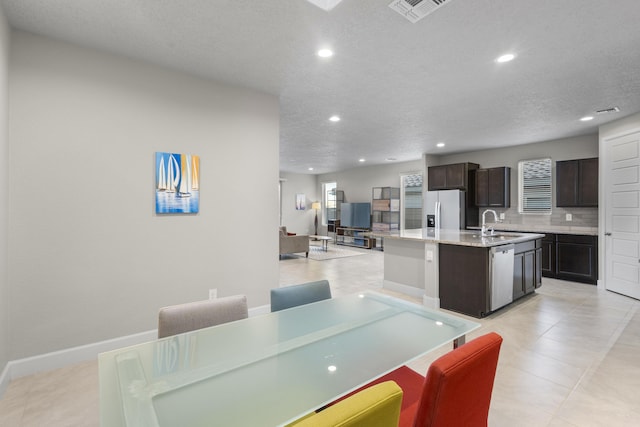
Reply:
x=329 y=202
x=534 y=185
x=411 y=201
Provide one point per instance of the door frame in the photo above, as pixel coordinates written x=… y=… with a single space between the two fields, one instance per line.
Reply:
x=603 y=244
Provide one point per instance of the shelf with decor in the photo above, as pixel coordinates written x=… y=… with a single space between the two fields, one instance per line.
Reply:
x=334 y=199
x=385 y=208
x=350 y=236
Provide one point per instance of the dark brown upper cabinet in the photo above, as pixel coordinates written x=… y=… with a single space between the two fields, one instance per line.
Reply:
x=493 y=187
x=577 y=183
x=450 y=177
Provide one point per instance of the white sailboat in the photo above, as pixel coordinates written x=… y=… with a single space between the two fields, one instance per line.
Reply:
x=172 y=176
x=184 y=188
x=162 y=177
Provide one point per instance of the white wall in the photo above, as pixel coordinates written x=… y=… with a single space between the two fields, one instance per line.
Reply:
x=297 y=221
x=89 y=259
x=4 y=196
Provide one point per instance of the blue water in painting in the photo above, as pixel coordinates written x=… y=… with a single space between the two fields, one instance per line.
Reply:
x=171 y=203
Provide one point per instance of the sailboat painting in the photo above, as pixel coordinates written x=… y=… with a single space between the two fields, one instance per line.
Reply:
x=177 y=183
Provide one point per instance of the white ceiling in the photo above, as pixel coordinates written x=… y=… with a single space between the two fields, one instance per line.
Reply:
x=399 y=87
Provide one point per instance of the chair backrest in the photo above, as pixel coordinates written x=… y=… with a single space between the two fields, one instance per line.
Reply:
x=458 y=386
x=376 y=406
x=180 y=318
x=295 y=295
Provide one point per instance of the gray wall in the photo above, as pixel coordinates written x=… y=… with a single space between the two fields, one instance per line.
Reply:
x=4 y=196
x=562 y=149
x=89 y=259
x=300 y=222
x=620 y=127
x=357 y=183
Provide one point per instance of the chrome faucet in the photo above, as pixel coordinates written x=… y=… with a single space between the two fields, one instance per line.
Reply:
x=485 y=231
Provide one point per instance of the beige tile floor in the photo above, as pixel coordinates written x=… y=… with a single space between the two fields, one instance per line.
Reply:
x=570 y=357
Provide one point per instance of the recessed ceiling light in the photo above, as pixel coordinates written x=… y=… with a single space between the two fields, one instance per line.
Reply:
x=325 y=53
x=310 y=169
x=586 y=118
x=506 y=58
x=334 y=118
x=440 y=144
x=362 y=160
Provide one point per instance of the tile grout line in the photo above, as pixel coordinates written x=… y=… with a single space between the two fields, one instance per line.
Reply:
x=601 y=355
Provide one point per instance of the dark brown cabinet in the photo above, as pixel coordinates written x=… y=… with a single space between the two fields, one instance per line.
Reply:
x=570 y=257
x=467 y=289
x=577 y=258
x=493 y=187
x=464 y=290
x=577 y=183
x=450 y=177
x=549 y=255
x=527 y=268
x=457 y=176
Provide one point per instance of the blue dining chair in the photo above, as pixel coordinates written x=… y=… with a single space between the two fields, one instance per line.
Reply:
x=295 y=295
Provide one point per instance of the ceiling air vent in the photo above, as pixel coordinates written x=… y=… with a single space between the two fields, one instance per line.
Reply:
x=608 y=110
x=415 y=10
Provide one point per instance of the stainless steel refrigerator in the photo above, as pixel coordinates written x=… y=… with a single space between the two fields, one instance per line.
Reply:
x=445 y=209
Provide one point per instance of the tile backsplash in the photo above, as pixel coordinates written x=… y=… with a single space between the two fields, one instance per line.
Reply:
x=581 y=217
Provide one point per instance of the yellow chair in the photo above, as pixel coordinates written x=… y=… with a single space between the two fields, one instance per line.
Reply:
x=376 y=406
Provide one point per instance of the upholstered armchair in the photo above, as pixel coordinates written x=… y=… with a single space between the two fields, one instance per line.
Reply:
x=291 y=244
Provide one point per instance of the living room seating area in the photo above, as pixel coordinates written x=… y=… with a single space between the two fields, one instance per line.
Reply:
x=290 y=243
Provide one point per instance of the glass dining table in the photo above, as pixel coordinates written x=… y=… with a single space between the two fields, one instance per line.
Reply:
x=271 y=369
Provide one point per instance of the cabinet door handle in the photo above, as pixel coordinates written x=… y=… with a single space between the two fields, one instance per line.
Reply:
x=607 y=234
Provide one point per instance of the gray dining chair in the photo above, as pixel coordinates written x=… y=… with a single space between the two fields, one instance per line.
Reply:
x=176 y=319
x=295 y=295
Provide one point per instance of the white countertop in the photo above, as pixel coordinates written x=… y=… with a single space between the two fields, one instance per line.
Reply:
x=557 y=229
x=457 y=237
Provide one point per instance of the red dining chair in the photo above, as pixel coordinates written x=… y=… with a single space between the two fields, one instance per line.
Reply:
x=457 y=389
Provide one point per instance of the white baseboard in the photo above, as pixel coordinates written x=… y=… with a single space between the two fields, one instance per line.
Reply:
x=431 y=302
x=59 y=359
x=4 y=380
x=403 y=289
x=70 y=356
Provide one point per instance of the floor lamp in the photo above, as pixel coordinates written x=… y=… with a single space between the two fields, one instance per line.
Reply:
x=316 y=206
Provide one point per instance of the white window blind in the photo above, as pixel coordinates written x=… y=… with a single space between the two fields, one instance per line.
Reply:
x=535 y=186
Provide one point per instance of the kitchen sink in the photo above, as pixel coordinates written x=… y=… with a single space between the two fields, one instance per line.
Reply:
x=496 y=236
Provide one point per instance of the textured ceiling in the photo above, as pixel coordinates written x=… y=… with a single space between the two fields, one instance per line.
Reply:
x=399 y=87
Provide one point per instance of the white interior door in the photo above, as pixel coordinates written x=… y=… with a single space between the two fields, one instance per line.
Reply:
x=622 y=215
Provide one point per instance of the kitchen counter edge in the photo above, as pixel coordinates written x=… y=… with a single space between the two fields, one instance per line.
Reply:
x=458 y=237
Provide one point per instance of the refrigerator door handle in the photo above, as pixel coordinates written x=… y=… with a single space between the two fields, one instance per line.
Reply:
x=437 y=215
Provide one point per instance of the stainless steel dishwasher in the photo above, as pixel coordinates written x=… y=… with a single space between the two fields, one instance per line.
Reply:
x=501 y=275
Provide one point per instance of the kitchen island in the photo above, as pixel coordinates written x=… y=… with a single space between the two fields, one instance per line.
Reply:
x=461 y=270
